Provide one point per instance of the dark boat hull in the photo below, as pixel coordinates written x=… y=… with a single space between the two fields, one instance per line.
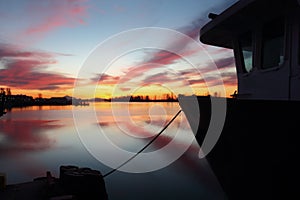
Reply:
x=257 y=153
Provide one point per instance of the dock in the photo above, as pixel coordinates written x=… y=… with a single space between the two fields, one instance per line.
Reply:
x=73 y=183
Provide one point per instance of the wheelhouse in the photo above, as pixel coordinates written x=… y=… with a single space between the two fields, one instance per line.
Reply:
x=265 y=38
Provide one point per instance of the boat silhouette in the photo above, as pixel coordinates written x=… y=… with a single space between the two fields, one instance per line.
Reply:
x=254 y=152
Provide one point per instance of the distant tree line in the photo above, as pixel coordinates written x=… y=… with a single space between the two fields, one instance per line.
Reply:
x=8 y=100
x=145 y=98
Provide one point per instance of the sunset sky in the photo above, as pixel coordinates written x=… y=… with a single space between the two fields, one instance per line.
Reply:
x=44 y=45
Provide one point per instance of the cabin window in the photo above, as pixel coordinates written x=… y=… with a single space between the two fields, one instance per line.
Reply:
x=246 y=45
x=272 y=44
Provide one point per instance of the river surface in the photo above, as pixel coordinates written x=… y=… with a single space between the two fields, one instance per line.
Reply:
x=36 y=139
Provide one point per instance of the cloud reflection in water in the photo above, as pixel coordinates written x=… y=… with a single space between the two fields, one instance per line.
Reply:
x=25 y=135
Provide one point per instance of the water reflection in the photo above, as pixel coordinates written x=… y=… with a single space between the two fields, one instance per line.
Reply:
x=25 y=135
x=44 y=107
x=34 y=140
x=132 y=125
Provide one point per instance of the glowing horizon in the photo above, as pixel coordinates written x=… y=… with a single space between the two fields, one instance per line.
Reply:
x=43 y=53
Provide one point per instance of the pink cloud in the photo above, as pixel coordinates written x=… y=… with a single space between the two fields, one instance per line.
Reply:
x=161 y=78
x=165 y=57
x=14 y=51
x=136 y=71
x=141 y=69
x=188 y=76
x=56 y=14
x=193 y=76
x=105 y=79
x=25 y=69
x=23 y=74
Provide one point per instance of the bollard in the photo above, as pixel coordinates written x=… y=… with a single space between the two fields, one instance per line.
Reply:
x=84 y=183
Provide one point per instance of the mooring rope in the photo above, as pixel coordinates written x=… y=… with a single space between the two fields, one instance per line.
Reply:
x=140 y=151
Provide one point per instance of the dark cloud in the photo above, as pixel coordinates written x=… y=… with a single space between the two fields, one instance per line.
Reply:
x=230 y=78
x=225 y=62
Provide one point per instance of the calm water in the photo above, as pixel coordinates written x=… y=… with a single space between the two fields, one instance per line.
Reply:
x=34 y=140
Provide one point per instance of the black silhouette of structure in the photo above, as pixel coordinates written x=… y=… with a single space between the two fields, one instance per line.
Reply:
x=257 y=153
x=73 y=183
x=2 y=102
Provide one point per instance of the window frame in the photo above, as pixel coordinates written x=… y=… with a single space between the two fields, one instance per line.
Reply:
x=257 y=47
x=261 y=45
x=241 y=54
